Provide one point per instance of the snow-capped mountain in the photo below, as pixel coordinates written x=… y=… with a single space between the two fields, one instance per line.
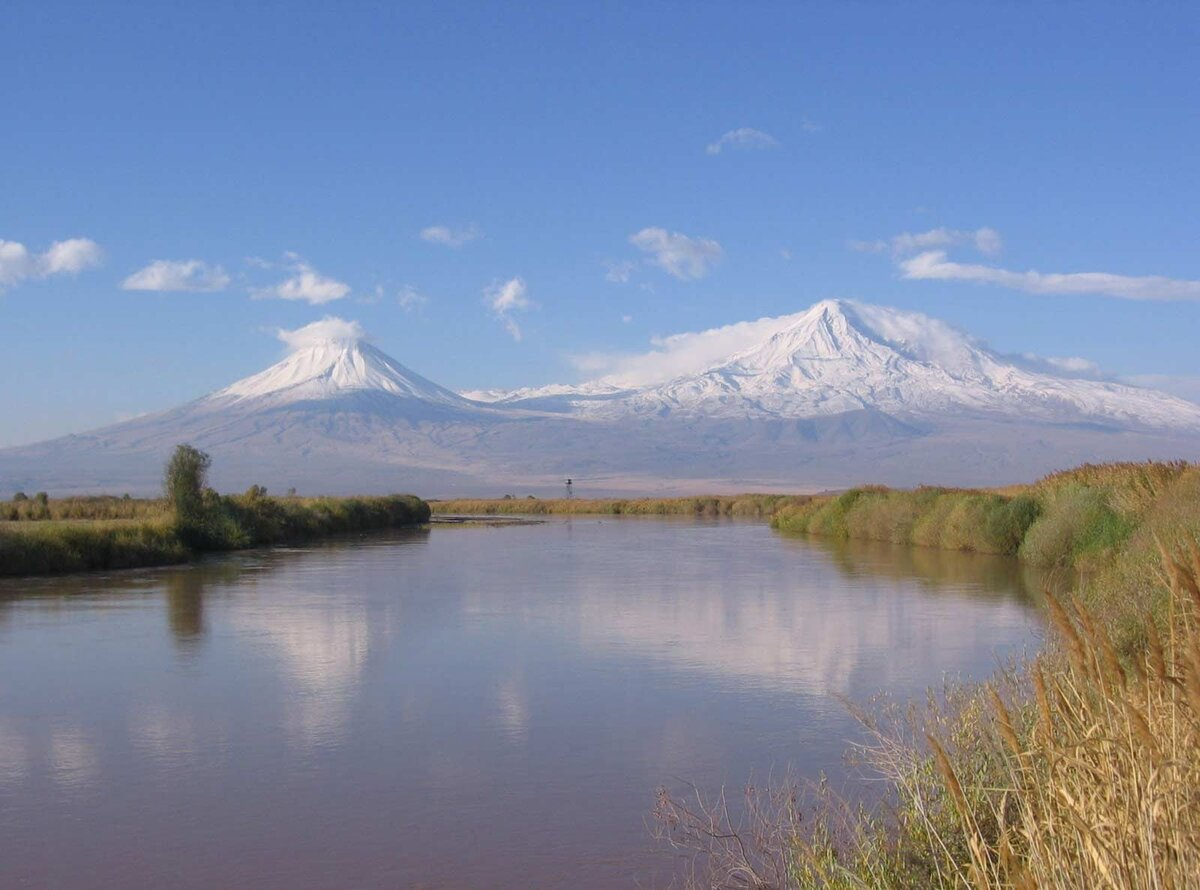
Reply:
x=838 y=394
x=841 y=356
x=332 y=369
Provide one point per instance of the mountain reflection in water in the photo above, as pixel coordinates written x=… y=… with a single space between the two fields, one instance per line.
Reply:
x=469 y=706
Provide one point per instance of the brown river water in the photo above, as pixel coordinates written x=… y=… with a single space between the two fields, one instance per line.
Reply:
x=460 y=707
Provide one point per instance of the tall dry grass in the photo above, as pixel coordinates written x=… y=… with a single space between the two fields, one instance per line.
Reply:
x=1079 y=771
x=1103 y=789
x=45 y=509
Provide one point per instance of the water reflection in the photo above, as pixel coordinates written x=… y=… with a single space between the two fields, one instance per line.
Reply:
x=373 y=713
x=982 y=574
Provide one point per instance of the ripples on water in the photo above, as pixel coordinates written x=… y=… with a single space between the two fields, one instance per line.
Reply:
x=462 y=707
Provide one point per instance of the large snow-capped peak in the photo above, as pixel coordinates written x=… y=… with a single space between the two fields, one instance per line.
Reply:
x=841 y=356
x=333 y=367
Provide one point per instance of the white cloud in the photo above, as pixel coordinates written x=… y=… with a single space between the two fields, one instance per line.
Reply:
x=70 y=257
x=505 y=297
x=679 y=255
x=679 y=354
x=328 y=328
x=742 y=138
x=933 y=265
x=411 y=299
x=178 y=275
x=986 y=241
x=449 y=237
x=1062 y=366
x=306 y=284
x=618 y=272
x=810 y=126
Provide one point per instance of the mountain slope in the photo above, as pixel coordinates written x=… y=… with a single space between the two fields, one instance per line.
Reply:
x=840 y=357
x=841 y=393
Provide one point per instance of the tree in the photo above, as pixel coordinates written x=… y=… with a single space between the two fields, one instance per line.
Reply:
x=184 y=482
x=20 y=496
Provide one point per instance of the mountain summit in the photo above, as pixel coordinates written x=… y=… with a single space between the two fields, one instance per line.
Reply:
x=334 y=368
x=840 y=393
x=841 y=356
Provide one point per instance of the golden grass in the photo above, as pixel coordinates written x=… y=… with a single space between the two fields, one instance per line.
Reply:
x=1101 y=788
x=1080 y=770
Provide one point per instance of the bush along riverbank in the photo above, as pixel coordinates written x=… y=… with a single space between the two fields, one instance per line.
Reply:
x=1078 y=769
x=1099 y=524
x=193 y=519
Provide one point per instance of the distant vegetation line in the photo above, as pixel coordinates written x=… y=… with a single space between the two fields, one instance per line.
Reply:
x=40 y=535
x=758 y=506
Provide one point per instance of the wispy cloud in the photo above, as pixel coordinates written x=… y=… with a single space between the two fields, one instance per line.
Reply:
x=742 y=138
x=329 y=328
x=986 y=241
x=70 y=257
x=178 y=275
x=934 y=265
x=680 y=354
x=306 y=284
x=449 y=237
x=411 y=299
x=506 y=297
x=684 y=257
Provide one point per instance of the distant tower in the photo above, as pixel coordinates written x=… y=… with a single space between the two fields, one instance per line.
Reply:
x=570 y=492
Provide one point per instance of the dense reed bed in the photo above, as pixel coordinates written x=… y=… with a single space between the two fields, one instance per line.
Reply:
x=745 y=505
x=41 y=508
x=50 y=547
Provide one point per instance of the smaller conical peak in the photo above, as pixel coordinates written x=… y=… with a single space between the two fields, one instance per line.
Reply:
x=331 y=358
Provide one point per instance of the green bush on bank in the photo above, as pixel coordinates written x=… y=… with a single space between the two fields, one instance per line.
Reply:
x=1102 y=523
x=931 y=517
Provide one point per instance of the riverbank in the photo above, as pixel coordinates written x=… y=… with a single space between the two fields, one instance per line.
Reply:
x=44 y=546
x=1100 y=525
x=1078 y=769
x=41 y=536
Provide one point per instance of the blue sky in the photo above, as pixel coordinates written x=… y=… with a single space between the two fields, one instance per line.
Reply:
x=301 y=149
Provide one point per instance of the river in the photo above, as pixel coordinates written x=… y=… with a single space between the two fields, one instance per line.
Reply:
x=458 y=707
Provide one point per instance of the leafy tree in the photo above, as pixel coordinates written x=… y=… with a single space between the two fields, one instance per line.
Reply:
x=20 y=496
x=42 y=498
x=184 y=482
